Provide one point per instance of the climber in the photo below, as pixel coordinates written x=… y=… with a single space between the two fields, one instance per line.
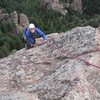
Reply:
x=29 y=36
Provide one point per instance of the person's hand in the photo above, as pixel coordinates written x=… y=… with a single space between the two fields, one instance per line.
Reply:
x=45 y=41
x=41 y=43
x=34 y=45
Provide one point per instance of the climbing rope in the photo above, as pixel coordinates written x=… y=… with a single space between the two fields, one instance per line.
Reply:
x=79 y=55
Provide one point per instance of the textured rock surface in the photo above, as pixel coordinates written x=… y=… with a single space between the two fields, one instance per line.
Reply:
x=21 y=21
x=59 y=5
x=76 y=5
x=14 y=17
x=3 y=15
x=55 y=71
x=55 y=5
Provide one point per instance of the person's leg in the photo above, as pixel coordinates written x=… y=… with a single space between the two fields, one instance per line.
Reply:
x=27 y=45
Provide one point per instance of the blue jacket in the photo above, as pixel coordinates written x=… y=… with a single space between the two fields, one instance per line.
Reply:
x=30 y=37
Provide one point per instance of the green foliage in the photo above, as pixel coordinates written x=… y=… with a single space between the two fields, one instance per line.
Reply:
x=18 y=43
x=95 y=21
x=1 y=54
x=8 y=42
x=5 y=50
x=7 y=26
x=91 y=7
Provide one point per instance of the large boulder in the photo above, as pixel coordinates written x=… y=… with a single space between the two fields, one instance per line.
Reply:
x=3 y=16
x=76 y=5
x=21 y=21
x=54 y=5
x=14 y=17
x=66 y=68
x=59 y=6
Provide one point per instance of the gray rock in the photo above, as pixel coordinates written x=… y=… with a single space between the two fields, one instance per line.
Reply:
x=20 y=20
x=4 y=16
x=54 y=5
x=76 y=5
x=23 y=20
x=14 y=17
x=56 y=70
x=59 y=6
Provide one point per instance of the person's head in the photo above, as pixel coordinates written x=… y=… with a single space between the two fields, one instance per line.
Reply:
x=31 y=27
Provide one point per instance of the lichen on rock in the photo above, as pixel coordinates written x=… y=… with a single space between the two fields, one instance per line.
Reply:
x=56 y=70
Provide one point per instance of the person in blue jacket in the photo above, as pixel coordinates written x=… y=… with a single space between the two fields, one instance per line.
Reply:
x=29 y=36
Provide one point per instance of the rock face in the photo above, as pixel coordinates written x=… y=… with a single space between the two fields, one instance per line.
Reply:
x=14 y=17
x=76 y=5
x=55 y=5
x=66 y=68
x=21 y=21
x=3 y=15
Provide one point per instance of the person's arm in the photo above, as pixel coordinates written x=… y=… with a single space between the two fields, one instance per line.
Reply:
x=41 y=34
x=30 y=38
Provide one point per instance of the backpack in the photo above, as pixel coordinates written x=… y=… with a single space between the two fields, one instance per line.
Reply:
x=24 y=35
